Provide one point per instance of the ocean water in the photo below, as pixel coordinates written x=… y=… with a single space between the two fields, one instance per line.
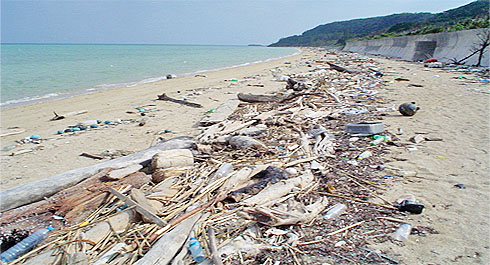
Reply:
x=31 y=72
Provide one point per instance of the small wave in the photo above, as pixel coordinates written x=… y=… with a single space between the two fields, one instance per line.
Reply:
x=29 y=99
x=50 y=96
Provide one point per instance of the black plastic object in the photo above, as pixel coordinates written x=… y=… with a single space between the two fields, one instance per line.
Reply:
x=410 y=206
x=408 y=109
x=461 y=186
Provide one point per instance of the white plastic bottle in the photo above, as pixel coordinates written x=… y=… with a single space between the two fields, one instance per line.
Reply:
x=401 y=234
x=335 y=211
x=224 y=170
x=196 y=250
x=25 y=245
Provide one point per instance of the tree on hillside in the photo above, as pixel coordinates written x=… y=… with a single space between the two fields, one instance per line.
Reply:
x=479 y=46
x=482 y=44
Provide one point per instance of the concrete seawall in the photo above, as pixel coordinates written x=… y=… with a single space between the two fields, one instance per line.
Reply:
x=443 y=46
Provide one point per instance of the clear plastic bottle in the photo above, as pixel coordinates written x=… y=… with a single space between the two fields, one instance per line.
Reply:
x=196 y=250
x=25 y=245
x=364 y=154
x=224 y=170
x=401 y=234
x=335 y=211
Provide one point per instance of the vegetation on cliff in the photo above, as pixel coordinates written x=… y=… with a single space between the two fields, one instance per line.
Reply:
x=470 y=16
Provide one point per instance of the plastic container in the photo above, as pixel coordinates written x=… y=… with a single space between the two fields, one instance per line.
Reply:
x=378 y=139
x=25 y=245
x=335 y=211
x=196 y=250
x=402 y=233
x=364 y=155
x=365 y=128
x=224 y=170
x=88 y=122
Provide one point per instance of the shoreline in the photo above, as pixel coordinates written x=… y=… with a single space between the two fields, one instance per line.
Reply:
x=78 y=92
x=113 y=104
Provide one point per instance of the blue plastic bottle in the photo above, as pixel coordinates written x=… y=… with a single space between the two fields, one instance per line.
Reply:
x=25 y=245
x=196 y=250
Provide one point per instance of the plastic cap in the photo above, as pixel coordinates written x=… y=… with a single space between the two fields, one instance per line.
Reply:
x=50 y=228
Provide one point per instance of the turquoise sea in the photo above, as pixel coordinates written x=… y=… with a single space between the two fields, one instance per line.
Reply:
x=32 y=72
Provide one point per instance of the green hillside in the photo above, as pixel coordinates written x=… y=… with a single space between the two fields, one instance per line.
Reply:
x=472 y=15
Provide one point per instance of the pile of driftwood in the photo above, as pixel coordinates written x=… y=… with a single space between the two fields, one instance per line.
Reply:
x=253 y=187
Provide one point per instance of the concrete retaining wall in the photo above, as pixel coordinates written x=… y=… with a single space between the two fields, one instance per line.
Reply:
x=443 y=46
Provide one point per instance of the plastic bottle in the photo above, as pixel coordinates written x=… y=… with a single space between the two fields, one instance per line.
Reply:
x=88 y=122
x=337 y=210
x=364 y=154
x=196 y=250
x=401 y=234
x=378 y=139
x=224 y=170
x=25 y=245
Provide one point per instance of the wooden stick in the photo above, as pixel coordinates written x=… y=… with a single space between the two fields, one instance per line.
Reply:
x=299 y=161
x=213 y=248
x=392 y=219
x=357 y=200
x=345 y=228
x=155 y=219
x=164 y=97
x=91 y=156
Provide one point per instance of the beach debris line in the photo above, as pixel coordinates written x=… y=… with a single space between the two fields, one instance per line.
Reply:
x=262 y=182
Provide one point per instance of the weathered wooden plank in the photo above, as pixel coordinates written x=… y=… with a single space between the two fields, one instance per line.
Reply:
x=37 y=190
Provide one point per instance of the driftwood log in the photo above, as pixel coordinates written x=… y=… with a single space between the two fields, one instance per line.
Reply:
x=221 y=113
x=164 y=97
x=342 y=69
x=251 y=98
x=36 y=191
x=164 y=250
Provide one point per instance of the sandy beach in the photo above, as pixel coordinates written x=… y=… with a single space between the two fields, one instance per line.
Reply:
x=455 y=110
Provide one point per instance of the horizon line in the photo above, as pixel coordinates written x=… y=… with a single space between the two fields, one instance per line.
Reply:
x=87 y=43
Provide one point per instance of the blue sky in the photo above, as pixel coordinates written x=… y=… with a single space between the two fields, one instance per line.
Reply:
x=233 y=22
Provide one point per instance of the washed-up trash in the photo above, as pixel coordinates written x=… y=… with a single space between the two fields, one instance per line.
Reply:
x=434 y=65
x=335 y=211
x=171 y=76
x=364 y=128
x=245 y=142
x=410 y=206
x=296 y=84
x=35 y=137
x=364 y=155
x=402 y=233
x=431 y=60
x=196 y=250
x=25 y=245
x=408 y=108
x=417 y=139
x=379 y=139
x=460 y=186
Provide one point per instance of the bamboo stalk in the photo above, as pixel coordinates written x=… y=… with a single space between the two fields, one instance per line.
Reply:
x=213 y=248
